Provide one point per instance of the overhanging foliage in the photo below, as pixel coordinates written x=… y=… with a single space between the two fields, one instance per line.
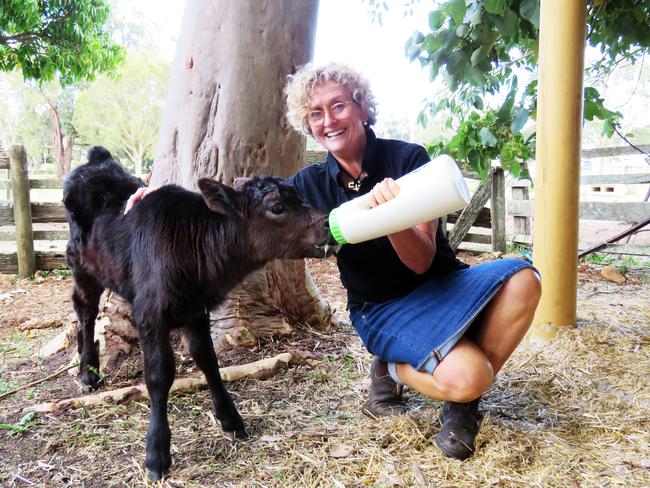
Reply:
x=57 y=38
x=479 y=47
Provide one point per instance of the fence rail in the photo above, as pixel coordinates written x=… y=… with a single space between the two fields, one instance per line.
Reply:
x=476 y=216
x=522 y=209
x=37 y=184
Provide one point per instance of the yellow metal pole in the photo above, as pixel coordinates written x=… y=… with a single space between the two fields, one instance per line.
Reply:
x=557 y=184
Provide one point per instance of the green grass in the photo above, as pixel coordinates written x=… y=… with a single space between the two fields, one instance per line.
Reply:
x=6 y=385
x=57 y=273
x=17 y=344
x=22 y=426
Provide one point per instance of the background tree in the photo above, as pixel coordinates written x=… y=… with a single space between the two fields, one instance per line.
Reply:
x=224 y=117
x=124 y=111
x=56 y=39
x=36 y=116
x=487 y=53
x=60 y=42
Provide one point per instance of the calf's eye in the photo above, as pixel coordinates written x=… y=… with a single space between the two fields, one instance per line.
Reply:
x=278 y=209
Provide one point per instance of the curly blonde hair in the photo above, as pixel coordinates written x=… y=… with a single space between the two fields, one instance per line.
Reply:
x=301 y=86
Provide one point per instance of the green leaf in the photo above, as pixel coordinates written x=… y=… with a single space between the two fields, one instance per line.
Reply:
x=478 y=55
x=436 y=19
x=422 y=120
x=608 y=127
x=506 y=109
x=474 y=158
x=486 y=38
x=449 y=39
x=529 y=10
x=497 y=7
x=456 y=9
x=457 y=62
x=519 y=120
x=473 y=15
x=456 y=141
x=432 y=42
x=476 y=76
x=507 y=25
x=591 y=109
x=484 y=167
x=487 y=137
x=462 y=30
x=451 y=80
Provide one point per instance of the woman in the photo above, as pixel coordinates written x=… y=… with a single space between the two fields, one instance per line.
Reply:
x=432 y=322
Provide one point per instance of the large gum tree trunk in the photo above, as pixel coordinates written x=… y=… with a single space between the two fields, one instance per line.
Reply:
x=224 y=117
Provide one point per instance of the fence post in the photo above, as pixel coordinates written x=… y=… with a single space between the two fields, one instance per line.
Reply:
x=4 y=165
x=22 y=211
x=498 y=210
x=522 y=223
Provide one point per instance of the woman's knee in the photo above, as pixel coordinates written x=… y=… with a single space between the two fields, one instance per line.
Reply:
x=463 y=379
x=524 y=287
x=466 y=386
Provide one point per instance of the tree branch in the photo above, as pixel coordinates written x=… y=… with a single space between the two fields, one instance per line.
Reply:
x=622 y=136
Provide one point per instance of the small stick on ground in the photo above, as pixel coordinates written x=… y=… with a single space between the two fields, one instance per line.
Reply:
x=36 y=382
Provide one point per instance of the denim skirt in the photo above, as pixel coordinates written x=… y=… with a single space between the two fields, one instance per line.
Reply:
x=422 y=327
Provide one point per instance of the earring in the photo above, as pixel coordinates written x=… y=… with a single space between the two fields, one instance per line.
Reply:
x=365 y=124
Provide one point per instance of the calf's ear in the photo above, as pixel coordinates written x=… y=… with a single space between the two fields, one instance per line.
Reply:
x=239 y=182
x=219 y=198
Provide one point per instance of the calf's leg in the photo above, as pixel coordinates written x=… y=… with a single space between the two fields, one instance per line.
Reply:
x=85 y=299
x=159 y=372
x=200 y=344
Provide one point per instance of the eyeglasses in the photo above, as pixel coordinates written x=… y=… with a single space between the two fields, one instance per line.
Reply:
x=336 y=110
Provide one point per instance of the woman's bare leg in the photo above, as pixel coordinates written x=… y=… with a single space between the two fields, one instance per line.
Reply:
x=469 y=368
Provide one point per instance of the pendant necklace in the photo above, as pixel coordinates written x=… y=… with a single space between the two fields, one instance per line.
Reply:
x=355 y=184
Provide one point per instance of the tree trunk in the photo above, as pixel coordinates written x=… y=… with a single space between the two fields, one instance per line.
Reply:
x=224 y=117
x=57 y=140
x=67 y=153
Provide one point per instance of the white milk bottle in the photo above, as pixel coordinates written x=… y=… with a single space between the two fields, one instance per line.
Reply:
x=431 y=191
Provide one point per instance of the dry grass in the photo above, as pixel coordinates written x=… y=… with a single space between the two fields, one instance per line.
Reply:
x=573 y=412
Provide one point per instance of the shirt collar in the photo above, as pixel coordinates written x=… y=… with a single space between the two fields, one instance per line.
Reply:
x=370 y=159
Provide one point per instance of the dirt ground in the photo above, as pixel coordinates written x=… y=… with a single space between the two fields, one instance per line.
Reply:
x=573 y=412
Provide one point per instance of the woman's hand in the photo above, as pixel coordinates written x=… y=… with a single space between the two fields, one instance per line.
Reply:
x=416 y=246
x=383 y=191
x=139 y=194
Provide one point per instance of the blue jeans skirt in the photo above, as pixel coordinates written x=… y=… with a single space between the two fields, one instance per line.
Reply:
x=422 y=327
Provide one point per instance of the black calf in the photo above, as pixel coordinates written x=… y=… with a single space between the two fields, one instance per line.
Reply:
x=174 y=257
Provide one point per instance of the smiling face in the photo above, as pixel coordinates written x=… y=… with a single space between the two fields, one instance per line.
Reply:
x=340 y=133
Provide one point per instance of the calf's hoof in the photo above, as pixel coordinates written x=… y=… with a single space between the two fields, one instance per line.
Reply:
x=155 y=475
x=156 y=470
x=89 y=379
x=234 y=427
x=238 y=433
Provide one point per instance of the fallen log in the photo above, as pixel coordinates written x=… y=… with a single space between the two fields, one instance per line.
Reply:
x=262 y=369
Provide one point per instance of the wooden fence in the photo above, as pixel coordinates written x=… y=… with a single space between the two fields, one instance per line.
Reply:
x=477 y=227
x=25 y=260
x=20 y=213
x=522 y=208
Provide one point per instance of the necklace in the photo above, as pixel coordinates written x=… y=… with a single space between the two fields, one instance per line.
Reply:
x=355 y=183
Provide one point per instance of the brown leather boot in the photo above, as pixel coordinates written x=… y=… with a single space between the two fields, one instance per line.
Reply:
x=460 y=423
x=385 y=396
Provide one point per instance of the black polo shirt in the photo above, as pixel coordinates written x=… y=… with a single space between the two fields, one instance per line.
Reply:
x=371 y=271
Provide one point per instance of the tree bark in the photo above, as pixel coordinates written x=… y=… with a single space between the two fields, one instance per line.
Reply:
x=67 y=152
x=224 y=117
x=57 y=139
